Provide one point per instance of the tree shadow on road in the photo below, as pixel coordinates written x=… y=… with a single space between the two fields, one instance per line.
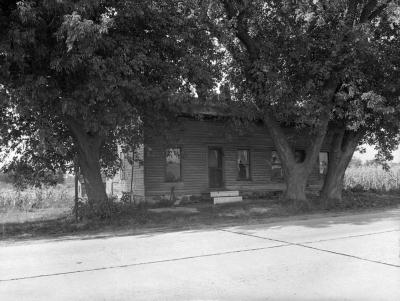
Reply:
x=247 y=217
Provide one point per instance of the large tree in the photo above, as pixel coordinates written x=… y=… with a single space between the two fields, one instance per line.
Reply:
x=376 y=122
x=290 y=59
x=78 y=76
x=367 y=107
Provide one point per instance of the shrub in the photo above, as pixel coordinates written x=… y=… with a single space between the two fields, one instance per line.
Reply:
x=165 y=202
x=355 y=200
x=112 y=207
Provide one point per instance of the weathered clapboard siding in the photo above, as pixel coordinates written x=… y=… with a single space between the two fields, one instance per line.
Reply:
x=194 y=137
x=119 y=184
x=138 y=174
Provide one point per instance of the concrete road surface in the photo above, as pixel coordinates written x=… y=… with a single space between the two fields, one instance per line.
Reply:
x=348 y=257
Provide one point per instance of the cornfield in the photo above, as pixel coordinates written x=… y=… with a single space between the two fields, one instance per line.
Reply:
x=36 y=198
x=373 y=178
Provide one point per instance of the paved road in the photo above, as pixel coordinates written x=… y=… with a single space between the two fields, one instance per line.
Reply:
x=349 y=257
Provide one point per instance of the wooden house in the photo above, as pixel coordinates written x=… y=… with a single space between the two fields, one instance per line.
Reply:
x=204 y=156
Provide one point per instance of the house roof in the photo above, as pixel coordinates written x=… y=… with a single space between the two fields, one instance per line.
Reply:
x=215 y=110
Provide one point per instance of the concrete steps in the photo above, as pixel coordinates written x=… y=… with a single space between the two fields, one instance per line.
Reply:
x=227 y=193
x=223 y=197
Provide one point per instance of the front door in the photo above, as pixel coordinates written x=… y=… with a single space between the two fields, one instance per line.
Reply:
x=215 y=169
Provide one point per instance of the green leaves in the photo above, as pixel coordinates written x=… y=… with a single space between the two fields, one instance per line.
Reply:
x=74 y=29
x=108 y=65
x=285 y=54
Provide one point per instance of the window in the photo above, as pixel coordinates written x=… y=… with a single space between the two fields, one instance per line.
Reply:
x=173 y=165
x=299 y=156
x=122 y=172
x=243 y=164
x=276 y=167
x=323 y=163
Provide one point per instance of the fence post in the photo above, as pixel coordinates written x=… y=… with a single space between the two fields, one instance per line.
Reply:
x=76 y=202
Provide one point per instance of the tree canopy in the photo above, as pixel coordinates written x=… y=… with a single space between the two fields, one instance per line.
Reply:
x=307 y=64
x=78 y=76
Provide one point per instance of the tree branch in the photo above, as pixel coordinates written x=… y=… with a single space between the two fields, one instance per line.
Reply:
x=241 y=29
x=367 y=10
x=77 y=130
x=372 y=10
x=351 y=11
x=337 y=140
x=351 y=139
x=313 y=148
x=379 y=10
x=279 y=138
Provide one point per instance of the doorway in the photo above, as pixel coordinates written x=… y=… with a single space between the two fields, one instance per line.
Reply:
x=215 y=168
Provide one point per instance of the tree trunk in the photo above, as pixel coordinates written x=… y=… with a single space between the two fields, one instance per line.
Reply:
x=89 y=157
x=76 y=182
x=341 y=151
x=296 y=182
x=88 y=148
x=132 y=173
x=296 y=174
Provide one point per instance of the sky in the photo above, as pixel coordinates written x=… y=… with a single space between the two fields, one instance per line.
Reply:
x=370 y=154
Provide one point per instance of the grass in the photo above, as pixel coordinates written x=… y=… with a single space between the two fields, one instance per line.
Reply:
x=32 y=207
x=17 y=216
x=143 y=219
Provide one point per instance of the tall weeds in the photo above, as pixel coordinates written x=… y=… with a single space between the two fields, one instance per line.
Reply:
x=36 y=198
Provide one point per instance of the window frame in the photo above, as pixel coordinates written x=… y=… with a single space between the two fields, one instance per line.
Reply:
x=281 y=177
x=238 y=178
x=221 y=150
x=302 y=153
x=166 y=164
x=319 y=163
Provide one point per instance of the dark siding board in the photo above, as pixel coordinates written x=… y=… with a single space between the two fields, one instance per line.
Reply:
x=195 y=140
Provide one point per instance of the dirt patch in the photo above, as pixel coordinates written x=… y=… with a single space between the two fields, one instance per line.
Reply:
x=184 y=210
x=17 y=217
